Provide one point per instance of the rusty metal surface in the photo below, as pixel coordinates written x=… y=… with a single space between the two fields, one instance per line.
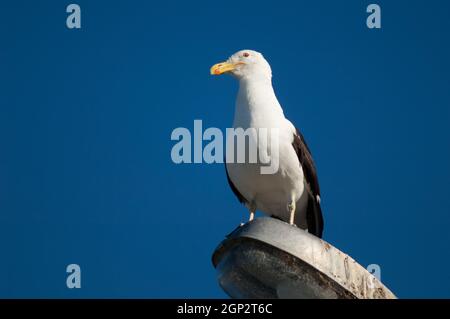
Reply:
x=268 y=258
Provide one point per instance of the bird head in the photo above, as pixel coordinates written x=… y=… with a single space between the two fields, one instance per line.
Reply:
x=244 y=64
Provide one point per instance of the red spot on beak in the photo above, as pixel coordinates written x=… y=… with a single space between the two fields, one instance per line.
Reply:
x=217 y=71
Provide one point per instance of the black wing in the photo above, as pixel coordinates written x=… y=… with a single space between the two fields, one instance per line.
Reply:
x=239 y=196
x=314 y=216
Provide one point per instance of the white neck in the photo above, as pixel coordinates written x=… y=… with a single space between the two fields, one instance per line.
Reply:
x=257 y=104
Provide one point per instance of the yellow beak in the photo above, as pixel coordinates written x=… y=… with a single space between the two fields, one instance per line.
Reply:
x=220 y=68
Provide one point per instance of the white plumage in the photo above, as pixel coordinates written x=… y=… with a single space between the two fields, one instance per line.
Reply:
x=286 y=193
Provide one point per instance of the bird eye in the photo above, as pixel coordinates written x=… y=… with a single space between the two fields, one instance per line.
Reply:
x=246 y=54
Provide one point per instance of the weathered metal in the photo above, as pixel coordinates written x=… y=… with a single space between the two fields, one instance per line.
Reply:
x=268 y=258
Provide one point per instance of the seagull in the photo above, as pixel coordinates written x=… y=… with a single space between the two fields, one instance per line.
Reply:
x=292 y=193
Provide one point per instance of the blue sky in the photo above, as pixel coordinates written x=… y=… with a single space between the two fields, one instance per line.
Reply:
x=86 y=116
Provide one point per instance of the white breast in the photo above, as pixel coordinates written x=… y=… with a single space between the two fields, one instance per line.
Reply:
x=257 y=107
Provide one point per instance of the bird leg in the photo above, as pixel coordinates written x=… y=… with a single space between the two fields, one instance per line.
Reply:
x=291 y=208
x=252 y=209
